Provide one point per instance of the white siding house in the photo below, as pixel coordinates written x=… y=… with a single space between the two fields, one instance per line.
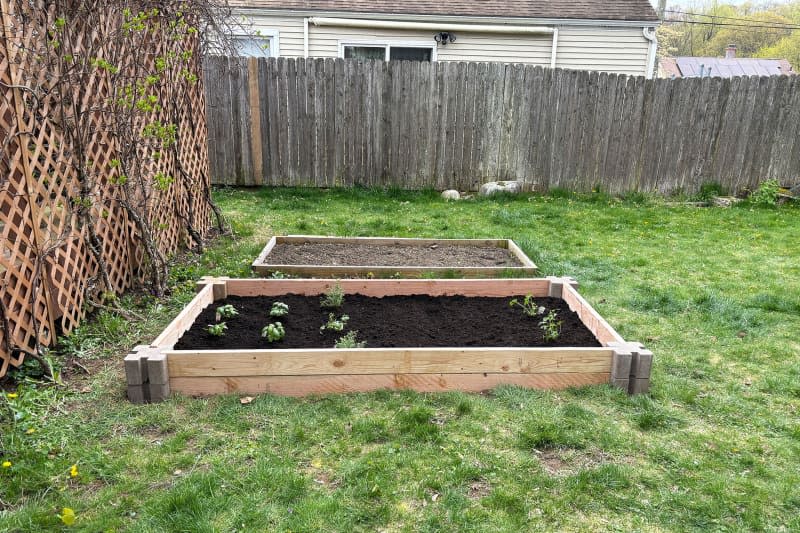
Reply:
x=609 y=36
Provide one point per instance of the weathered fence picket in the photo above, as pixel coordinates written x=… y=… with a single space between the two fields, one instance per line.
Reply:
x=326 y=122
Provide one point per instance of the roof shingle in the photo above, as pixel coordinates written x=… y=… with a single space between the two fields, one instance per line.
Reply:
x=632 y=10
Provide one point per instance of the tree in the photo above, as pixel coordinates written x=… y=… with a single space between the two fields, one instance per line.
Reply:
x=764 y=30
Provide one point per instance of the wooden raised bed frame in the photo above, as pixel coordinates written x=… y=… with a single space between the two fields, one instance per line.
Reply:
x=262 y=268
x=156 y=371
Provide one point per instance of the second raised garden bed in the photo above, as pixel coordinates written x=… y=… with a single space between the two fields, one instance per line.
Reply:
x=383 y=257
x=502 y=349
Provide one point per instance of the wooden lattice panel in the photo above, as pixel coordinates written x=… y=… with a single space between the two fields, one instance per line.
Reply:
x=46 y=264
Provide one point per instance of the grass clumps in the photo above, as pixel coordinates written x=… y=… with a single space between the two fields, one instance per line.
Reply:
x=713 y=447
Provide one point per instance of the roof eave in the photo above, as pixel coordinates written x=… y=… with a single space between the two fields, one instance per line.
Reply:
x=448 y=18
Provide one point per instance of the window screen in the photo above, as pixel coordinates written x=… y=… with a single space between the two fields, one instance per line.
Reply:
x=365 y=52
x=409 y=54
x=253 y=46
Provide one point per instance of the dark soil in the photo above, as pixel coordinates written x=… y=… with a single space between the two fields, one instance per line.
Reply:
x=437 y=255
x=391 y=321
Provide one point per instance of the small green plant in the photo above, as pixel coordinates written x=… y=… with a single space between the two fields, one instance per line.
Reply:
x=334 y=324
x=349 y=341
x=226 y=311
x=273 y=332
x=279 y=275
x=333 y=298
x=709 y=190
x=217 y=330
x=551 y=326
x=528 y=306
x=766 y=194
x=279 y=309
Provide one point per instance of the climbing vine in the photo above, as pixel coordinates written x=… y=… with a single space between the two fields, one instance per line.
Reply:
x=108 y=104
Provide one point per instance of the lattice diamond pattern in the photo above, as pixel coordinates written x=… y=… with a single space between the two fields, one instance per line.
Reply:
x=38 y=183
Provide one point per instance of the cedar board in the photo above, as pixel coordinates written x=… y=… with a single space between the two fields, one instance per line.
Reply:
x=262 y=267
x=322 y=371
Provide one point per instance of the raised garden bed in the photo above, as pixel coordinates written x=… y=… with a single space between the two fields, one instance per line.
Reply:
x=249 y=365
x=383 y=257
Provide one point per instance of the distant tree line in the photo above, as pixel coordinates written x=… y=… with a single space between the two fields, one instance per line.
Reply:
x=764 y=30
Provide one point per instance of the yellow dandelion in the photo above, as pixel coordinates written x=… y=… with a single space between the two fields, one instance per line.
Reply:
x=73 y=471
x=67 y=516
x=6 y=464
x=11 y=395
x=30 y=431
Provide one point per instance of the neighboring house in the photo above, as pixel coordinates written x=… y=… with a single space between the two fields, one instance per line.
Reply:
x=611 y=36
x=722 y=67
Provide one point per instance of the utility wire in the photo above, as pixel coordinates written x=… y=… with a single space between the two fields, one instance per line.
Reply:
x=730 y=18
x=729 y=25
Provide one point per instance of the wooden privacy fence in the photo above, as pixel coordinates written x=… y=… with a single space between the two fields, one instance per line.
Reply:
x=326 y=122
x=46 y=265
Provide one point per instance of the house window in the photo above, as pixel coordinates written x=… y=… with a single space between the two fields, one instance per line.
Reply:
x=258 y=45
x=365 y=52
x=407 y=53
x=388 y=51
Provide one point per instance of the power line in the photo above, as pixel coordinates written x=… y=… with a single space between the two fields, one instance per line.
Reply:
x=728 y=24
x=731 y=18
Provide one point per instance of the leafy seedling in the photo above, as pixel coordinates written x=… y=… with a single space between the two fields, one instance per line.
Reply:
x=226 y=311
x=551 y=326
x=334 y=324
x=273 y=332
x=333 y=298
x=349 y=341
x=217 y=330
x=279 y=309
x=528 y=306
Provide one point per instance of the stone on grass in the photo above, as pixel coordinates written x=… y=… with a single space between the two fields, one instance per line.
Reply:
x=451 y=194
x=511 y=187
x=724 y=201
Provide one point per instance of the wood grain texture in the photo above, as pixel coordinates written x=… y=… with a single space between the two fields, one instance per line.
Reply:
x=264 y=267
x=457 y=125
x=187 y=363
x=590 y=318
x=307 y=385
x=185 y=318
x=391 y=287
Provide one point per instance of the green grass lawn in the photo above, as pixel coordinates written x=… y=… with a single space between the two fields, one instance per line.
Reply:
x=714 y=293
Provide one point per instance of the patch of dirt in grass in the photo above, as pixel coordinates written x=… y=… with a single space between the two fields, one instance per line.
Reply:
x=567 y=461
x=435 y=255
x=324 y=479
x=478 y=489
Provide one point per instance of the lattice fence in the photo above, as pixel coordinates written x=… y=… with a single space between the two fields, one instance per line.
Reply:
x=46 y=266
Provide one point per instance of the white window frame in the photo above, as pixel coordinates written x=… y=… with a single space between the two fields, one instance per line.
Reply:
x=387 y=45
x=265 y=33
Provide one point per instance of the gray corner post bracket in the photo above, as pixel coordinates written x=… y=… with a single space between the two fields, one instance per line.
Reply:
x=147 y=375
x=557 y=285
x=630 y=367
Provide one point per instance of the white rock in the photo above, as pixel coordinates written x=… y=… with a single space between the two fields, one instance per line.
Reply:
x=451 y=194
x=512 y=187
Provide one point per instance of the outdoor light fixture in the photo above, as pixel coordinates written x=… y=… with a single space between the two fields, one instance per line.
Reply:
x=444 y=37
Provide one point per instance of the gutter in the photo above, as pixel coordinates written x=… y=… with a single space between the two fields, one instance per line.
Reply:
x=395 y=24
x=555 y=48
x=466 y=19
x=650 y=35
x=305 y=37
